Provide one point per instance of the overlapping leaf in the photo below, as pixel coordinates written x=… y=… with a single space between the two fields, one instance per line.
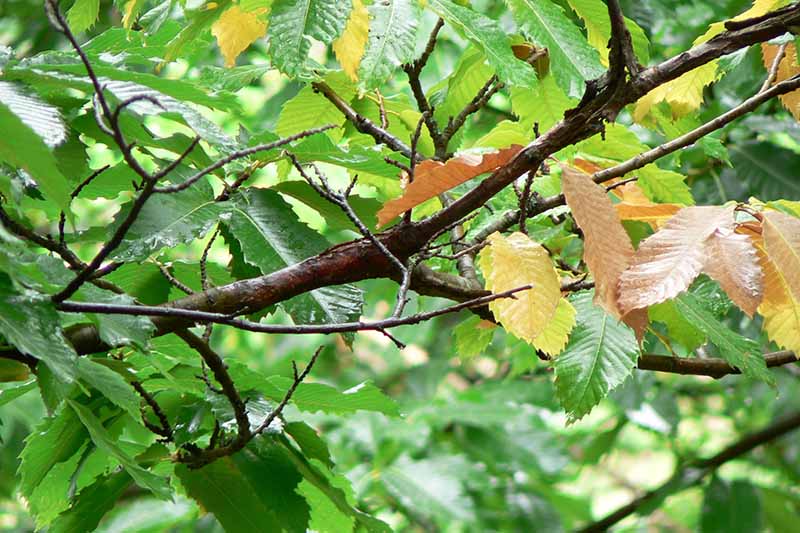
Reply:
x=600 y=355
x=271 y=238
x=780 y=308
x=292 y=23
x=782 y=244
x=607 y=248
x=668 y=261
x=490 y=37
x=512 y=262
x=594 y=14
x=572 y=60
x=350 y=47
x=37 y=128
x=432 y=178
x=732 y=261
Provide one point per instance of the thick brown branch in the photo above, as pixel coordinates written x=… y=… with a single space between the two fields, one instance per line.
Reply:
x=713 y=367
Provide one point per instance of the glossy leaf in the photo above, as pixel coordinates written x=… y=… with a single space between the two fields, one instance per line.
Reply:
x=392 y=33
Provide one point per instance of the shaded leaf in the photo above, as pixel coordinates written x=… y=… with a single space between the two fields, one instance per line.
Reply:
x=741 y=352
x=473 y=336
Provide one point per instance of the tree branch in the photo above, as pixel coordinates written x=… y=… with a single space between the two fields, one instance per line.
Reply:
x=713 y=367
x=693 y=473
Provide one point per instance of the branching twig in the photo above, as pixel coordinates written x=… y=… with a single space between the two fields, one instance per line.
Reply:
x=692 y=473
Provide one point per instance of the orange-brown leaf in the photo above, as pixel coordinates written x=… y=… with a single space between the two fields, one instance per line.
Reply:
x=432 y=178
x=732 y=261
x=607 y=248
x=782 y=244
x=787 y=68
x=654 y=214
x=668 y=261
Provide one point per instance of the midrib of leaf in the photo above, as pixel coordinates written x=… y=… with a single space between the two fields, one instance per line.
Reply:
x=555 y=39
x=186 y=215
x=767 y=169
x=595 y=359
x=305 y=22
x=382 y=48
x=210 y=480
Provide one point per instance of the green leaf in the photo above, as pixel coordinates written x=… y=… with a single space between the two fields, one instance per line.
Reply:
x=29 y=321
x=311 y=444
x=392 y=35
x=53 y=441
x=272 y=237
x=10 y=392
x=741 y=352
x=309 y=109
x=489 y=37
x=168 y=220
x=144 y=478
x=82 y=15
x=462 y=85
x=335 y=219
x=292 y=23
x=224 y=490
x=359 y=159
x=145 y=282
x=37 y=127
x=110 y=384
x=472 y=337
x=601 y=353
x=572 y=60
x=320 y=397
x=545 y=104
x=730 y=507
x=433 y=487
x=594 y=14
x=763 y=169
x=679 y=328
x=92 y=504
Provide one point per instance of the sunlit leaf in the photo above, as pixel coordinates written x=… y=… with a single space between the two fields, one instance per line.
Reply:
x=235 y=31
x=350 y=47
x=512 y=262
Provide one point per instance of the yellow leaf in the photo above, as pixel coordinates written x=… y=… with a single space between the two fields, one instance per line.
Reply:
x=760 y=7
x=512 y=262
x=780 y=309
x=683 y=94
x=782 y=244
x=235 y=30
x=349 y=48
x=556 y=334
x=787 y=68
x=131 y=11
x=432 y=178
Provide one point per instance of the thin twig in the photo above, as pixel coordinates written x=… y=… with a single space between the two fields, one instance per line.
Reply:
x=239 y=154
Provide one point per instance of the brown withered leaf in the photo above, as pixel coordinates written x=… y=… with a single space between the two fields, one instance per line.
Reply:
x=668 y=261
x=432 y=178
x=732 y=261
x=607 y=248
x=787 y=68
x=782 y=244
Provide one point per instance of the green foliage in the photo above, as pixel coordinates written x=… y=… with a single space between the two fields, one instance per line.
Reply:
x=600 y=355
x=450 y=424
